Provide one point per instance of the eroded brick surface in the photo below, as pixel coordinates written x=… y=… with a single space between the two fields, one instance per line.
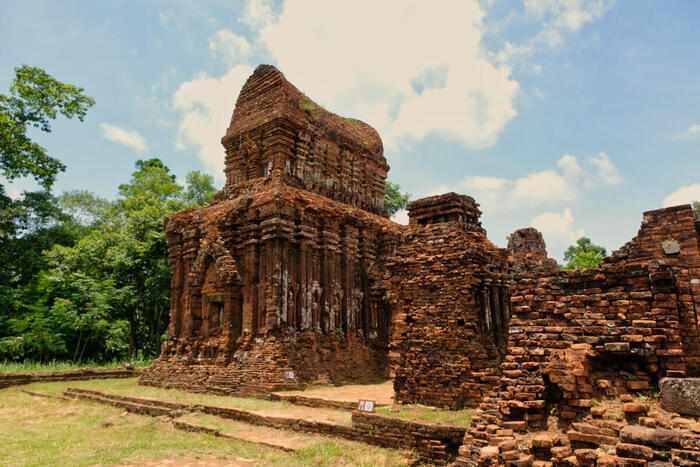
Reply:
x=283 y=271
x=579 y=337
x=450 y=298
x=295 y=266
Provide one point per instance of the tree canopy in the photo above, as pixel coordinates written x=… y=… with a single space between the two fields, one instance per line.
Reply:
x=394 y=200
x=583 y=254
x=35 y=99
x=98 y=286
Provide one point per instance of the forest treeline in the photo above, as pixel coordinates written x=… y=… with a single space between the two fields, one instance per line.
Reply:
x=83 y=278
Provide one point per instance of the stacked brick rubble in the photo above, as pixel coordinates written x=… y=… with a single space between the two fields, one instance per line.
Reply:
x=577 y=337
x=283 y=271
x=449 y=293
x=529 y=254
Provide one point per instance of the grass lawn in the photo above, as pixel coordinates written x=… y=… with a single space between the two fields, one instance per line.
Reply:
x=130 y=387
x=43 y=431
x=20 y=367
x=429 y=414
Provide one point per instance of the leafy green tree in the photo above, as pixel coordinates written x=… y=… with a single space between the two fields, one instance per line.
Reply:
x=35 y=99
x=98 y=283
x=583 y=255
x=129 y=249
x=394 y=200
x=200 y=188
x=696 y=205
x=33 y=222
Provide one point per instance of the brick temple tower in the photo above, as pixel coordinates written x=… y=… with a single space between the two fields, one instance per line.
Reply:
x=280 y=275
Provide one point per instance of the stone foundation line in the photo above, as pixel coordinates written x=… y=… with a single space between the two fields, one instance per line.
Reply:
x=431 y=442
x=80 y=374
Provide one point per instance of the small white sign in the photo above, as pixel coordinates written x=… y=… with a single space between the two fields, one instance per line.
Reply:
x=365 y=405
x=288 y=374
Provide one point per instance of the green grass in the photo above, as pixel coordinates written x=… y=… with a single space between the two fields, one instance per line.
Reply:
x=429 y=414
x=7 y=366
x=307 y=105
x=43 y=431
x=130 y=387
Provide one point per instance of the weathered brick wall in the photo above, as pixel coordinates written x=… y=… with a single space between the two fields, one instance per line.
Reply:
x=576 y=336
x=284 y=270
x=432 y=442
x=671 y=236
x=529 y=254
x=450 y=297
x=277 y=128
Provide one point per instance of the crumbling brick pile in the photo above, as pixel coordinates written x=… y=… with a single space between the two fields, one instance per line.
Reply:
x=529 y=254
x=278 y=283
x=450 y=298
x=578 y=337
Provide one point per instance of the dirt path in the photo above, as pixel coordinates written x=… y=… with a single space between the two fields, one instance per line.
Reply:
x=308 y=413
x=382 y=393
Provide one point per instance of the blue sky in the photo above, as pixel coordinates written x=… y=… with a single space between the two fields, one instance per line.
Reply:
x=574 y=116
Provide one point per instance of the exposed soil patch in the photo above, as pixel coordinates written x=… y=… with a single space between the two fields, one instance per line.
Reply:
x=382 y=393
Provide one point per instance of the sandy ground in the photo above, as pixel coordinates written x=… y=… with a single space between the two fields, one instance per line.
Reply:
x=341 y=417
x=382 y=393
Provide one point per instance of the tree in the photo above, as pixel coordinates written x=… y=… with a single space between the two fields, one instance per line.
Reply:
x=200 y=188
x=126 y=258
x=696 y=205
x=97 y=282
x=33 y=222
x=394 y=200
x=583 y=255
x=35 y=99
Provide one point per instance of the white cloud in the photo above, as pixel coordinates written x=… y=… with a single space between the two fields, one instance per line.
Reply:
x=683 y=195
x=370 y=72
x=206 y=105
x=229 y=46
x=559 y=16
x=550 y=187
x=558 y=231
x=401 y=217
x=607 y=172
x=690 y=133
x=257 y=13
x=15 y=189
x=542 y=187
x=556 y=18
x=123 y=136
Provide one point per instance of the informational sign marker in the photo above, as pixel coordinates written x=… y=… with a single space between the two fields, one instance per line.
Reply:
x=288 y=374
x=365 y=405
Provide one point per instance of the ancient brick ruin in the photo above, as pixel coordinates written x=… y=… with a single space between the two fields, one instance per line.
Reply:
x=449 y=289
x=294 y=276
x=577 y=337
x=282 y=272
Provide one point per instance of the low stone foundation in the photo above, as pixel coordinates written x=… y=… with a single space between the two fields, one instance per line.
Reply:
x=19 y=379
x=432 y=442
x=258 y=364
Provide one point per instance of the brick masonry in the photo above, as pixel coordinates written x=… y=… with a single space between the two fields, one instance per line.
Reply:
x=296 y=267
x=283 y=271
x=580 y=336
x=449 y=294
